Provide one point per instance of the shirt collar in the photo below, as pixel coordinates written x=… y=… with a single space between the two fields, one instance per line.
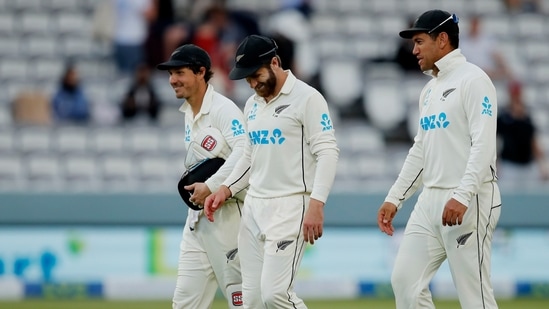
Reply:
x=206 y=102
x=448 y=62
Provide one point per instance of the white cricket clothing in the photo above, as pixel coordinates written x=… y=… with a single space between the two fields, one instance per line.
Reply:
x=292 y=147
x=455 y=146
x=291 y=157
x=208 y=255
x=453 y=156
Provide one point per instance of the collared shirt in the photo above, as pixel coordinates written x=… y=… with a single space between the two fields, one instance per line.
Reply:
x=219 y=112
x=455 y=146
x=292 y=147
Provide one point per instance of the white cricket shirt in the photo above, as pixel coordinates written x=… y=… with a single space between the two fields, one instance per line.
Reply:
x=455 y=146
x=292 y=147
x=219 y=112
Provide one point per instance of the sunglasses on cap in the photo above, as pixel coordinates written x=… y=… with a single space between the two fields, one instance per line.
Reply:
x=452 y=17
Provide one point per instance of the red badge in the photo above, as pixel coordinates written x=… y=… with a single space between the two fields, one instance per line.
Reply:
x=237 y=298
x=208 y=143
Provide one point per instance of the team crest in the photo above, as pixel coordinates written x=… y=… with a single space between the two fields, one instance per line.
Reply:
x=208 y=143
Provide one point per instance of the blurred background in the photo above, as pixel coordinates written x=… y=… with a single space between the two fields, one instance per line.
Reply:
x=91 y=139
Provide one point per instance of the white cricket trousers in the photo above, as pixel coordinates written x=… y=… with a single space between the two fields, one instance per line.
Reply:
x=209 y=259
x=271 y=247
x=427 y=243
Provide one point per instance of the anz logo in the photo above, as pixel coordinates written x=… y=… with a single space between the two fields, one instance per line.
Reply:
x=187 y=133
x=266 y=137
x=486 y=107
x=237 y=128
x=432 y=122
x=253 y=112
x=326 y=123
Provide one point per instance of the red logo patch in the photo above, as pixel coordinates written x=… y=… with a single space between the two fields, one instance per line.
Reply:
x=237 y=298
x=208 y=143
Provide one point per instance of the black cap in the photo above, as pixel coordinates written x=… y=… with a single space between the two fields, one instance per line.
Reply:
x=187 y=55
x=251 y=54
x=433 y=21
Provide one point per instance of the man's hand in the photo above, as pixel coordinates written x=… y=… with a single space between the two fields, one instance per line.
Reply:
x=200 y=192
x=215 y=200
x=385 y=216
x=453 y=213
x=314 y=221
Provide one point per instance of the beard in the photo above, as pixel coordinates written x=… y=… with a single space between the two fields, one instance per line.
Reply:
x=267 y=88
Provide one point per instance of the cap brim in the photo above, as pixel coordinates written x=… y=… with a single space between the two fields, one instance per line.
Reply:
x=172 y=64
x=409 y=33
x=240 y=73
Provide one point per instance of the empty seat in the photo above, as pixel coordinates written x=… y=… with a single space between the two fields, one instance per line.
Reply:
x=34 y=140
x=118 y=172
x=44 y=172
x=40 y=46
x=143 y=141
x=71 y=139
x=530 y=25
x=174 y=141
x=154 y=174
x=107 y=140
x=6 y=23
x=10 y=47
x=7 y=144
x=34 y=22
x=49 y=70
x=75 y=23
x=384 y=103
x=64 y=5
x=341 y=80
x=11 y=172
x=81 y=173
x=14 y=68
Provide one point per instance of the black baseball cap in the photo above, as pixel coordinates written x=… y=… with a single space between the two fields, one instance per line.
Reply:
x=433 y=21
x=251 y=54
x=186 y=55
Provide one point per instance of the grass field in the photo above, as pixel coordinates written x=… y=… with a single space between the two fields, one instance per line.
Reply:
x=219 y=304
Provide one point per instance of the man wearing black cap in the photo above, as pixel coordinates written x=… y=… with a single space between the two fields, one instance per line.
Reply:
x=289 y=164
x=214 y=127
x=454 y=158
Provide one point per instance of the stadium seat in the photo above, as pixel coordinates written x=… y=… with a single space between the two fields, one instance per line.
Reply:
x=341 y=80
x=44 y=172
x=81 y=172
x=6 y=23
x=32 y=140
x=107 y=141
x=153 y=173
x=118 y=172
x=40 y=46
x=71 y=140
x=7 y=144
x=384 y=103
x=143 y=140
x=34 y=23
x=11 y=172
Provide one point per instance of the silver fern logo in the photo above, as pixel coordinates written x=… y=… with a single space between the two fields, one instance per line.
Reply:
x=231 y=255
x=461 y=240
x=283 y=244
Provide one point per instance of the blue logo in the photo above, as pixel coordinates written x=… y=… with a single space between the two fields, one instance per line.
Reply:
x=326 y=123
x=433 y=122
x=253 y=112
x=187 y=133
x=237 y=128
x=265 y=137
x=486 y=107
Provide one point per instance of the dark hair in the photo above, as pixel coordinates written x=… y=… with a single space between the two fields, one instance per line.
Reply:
x=453 y=38
x=196 y=69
